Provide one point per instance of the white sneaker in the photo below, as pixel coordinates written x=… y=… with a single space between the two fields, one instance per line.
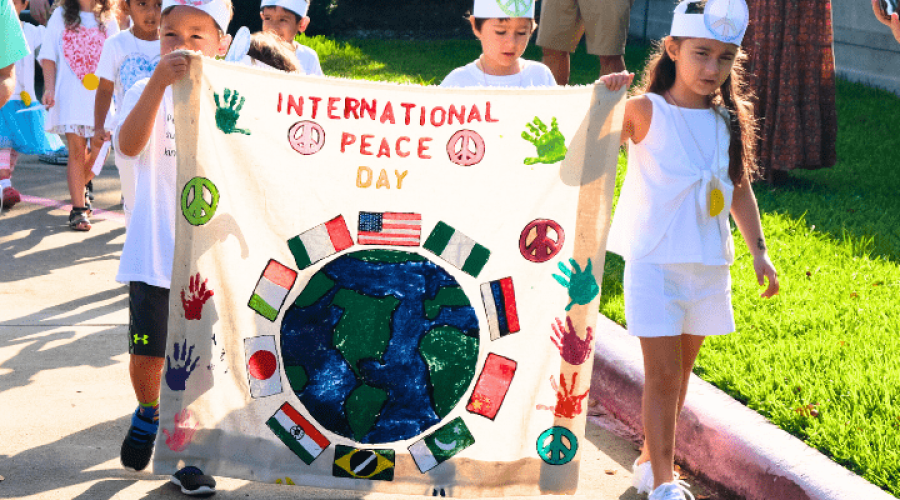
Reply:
x=642 y=477
x=671 y=491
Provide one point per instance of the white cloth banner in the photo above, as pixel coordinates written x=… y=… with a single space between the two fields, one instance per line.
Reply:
x=405 y=282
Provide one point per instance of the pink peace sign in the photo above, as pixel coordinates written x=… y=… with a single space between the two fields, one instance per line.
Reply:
x=541 y=247
x=465 y=148
x=306 y=137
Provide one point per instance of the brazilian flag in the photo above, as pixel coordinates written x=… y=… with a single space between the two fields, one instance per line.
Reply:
x=363 y=464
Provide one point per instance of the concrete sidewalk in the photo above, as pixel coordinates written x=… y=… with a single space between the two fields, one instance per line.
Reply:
x=65 y=397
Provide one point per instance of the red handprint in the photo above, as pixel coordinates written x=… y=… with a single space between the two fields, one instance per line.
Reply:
x=199 y=295
x=567 y=404
x=571 y=347
x=185 y=426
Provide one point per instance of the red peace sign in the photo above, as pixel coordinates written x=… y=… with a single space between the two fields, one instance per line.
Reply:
x=306 y=137
x=541 y=247
x=459 y=150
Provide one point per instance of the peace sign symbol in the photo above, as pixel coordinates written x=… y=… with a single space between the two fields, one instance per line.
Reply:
x=541 y=247
x=515 y=8
x=557 y=446
x=459 y=150
x=306 y=137
x=194 y=206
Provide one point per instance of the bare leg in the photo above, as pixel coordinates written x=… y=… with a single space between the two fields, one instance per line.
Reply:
x=146 y=373
x=558 y=62
x=75 y=170
x=611 y=64
x=662 y=385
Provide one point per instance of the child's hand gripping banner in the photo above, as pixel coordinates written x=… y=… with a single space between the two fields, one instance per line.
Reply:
x=385 y=287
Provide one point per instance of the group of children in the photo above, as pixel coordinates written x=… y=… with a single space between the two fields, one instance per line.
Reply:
x=691 y=160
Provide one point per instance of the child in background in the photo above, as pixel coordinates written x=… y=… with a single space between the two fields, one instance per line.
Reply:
x=22 y=133
x=504 y=37
x=268 y=50
x=69 y=55
x=287 y=18
x=127 y=57
x=690 y=141
x=146 y=136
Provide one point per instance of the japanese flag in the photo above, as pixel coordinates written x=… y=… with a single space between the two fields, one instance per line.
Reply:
x=262 y=366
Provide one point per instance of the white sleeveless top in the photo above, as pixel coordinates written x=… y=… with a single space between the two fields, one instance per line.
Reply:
x=662 y=215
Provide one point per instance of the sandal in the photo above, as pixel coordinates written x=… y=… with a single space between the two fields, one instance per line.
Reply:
x=78 y=220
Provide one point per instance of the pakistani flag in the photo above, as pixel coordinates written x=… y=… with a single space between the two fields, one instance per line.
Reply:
x=441 y=445
x=457 y=249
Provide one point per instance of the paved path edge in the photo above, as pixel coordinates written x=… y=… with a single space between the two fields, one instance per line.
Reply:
x=720 y=440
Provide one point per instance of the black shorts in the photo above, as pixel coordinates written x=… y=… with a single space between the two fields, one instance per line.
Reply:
x=148 y=319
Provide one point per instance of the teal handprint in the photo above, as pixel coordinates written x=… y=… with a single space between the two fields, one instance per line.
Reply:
x=550 y=144
x=228 y=111
x=582 y=286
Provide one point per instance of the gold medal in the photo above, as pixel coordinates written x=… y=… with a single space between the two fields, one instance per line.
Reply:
x=716 y=202
x=26 y=98
x=90 y=81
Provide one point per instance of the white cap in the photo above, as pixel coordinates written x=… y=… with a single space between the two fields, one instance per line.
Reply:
x=299 y=7
x=722 y=20
x=503 y=8
x=215 y=8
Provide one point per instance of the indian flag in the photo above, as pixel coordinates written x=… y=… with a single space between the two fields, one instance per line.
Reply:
x=457 y=249
x=320 y=242
x=441 y=445
x=297 y=433
x=271 y=289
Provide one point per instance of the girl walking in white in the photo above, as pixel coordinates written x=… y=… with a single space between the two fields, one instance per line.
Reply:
x=690 y=141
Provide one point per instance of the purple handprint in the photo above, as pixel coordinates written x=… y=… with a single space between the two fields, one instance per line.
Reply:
x=176 y=376
x=185 y=426
x=571 y=347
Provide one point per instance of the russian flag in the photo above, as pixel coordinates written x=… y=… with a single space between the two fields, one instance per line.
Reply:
x=500 y=306
x=272 y=289
x=320 y=242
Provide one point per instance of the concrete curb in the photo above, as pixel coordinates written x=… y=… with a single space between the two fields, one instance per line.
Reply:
x=719 y=439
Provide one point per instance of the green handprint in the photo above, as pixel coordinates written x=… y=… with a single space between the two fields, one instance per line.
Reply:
x=550 y=144
x=227 y=114
x=582 y=286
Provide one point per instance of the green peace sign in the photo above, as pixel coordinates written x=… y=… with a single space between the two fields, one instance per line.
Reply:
x=194 y=206
x=557 y=446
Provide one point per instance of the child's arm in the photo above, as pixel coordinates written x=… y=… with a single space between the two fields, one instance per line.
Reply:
x=49 y=69
x=138 y=126
x=638 y=110
x=7 y=82
x=746 y=216
x=102 y=99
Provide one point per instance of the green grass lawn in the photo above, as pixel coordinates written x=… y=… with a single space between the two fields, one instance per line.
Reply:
x=820 y=360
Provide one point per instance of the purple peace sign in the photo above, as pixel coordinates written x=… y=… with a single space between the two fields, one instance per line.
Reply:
x=306 y=137
x=465 y=148
x=541 y=247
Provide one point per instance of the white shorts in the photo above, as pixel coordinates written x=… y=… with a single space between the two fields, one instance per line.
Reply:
x=664 y=300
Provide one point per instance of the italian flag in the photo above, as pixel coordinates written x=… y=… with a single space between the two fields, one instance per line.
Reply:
x=320 y=242
x=457 y=249
x=271 y=289
x=441 y=445
x=297 y=433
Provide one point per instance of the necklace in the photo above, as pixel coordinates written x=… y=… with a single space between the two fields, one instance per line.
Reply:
x=715 y=197
x=484 y=73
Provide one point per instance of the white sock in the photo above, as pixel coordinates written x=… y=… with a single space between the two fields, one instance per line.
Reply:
x=5 y=183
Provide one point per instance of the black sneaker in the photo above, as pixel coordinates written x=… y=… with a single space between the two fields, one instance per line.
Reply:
x=194 y=482
x=137 y=448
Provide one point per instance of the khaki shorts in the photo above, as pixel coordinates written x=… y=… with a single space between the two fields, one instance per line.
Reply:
x=603 y=22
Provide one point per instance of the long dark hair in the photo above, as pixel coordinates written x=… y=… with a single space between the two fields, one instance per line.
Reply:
x=659 y=76
x=103 y=10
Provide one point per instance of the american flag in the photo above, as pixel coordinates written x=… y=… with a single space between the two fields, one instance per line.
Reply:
x=389 y=228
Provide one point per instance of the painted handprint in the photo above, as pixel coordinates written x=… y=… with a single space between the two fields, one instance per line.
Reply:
x=571 y=347
x=568 y=404
x=177 y=375
x=193 y=304
x=583 y=288
x=228 y=111
x=550 y=144
x=185 y=426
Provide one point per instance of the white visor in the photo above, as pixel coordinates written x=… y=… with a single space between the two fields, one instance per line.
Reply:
x=299 y=7
x=215 y=8
x=487 y=9
x=722 y=20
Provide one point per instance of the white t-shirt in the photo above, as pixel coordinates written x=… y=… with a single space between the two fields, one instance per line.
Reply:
x=662 y=215
x=150 y=239
x=74 y=103
x=533 y=74
x=309 y=60
x=34 y=36
x=125 y=60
